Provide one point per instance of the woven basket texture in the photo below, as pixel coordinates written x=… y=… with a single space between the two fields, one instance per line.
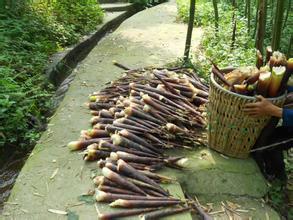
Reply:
x=230 y=130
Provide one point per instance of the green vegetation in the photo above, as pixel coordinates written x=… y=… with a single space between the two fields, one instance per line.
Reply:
x=220 y=45
x=29 y=34
x=285 y=35
x=217 y=45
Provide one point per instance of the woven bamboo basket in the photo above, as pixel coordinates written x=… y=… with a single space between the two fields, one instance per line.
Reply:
x=230 y=130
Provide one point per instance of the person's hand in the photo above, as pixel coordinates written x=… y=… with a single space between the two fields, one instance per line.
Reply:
x=262 y=107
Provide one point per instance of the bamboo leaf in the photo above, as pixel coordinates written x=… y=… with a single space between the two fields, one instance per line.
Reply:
x=59 y=212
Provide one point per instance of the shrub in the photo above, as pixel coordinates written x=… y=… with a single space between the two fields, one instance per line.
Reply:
x=29 y=35
x=82 y=16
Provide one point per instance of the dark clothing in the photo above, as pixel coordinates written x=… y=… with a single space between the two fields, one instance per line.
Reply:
x=271 y=161
x=288 y=113
x=287 y=117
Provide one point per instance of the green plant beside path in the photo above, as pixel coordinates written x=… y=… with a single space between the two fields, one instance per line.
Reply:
x=29 y=34
x=217 y=45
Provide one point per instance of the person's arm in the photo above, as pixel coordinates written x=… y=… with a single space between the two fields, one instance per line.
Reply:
x=263 y=108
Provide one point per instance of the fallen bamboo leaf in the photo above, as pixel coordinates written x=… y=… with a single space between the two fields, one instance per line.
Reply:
x=222 y=155
x=34 y=187
x=11 y=203
x=59 y=212
x=242 y=210
x=96 y=206
x=267 y=216
x=228 y=214
x=24 y=210
x=54 y=173
x=216 y=212
x=81 y=172
x=232 y=205
x=186 y=147
x=76 y=204
x=210 y=207
x=200 y=205
x=229 y=209
x=38 y=194
x=263 y=202
x=2 y=135
x=6 y=213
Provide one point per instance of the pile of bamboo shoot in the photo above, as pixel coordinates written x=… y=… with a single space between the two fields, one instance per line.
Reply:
x=134 y=119
x=123 y=186
x=262 y=80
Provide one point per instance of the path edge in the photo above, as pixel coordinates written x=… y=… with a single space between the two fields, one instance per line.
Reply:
x=65 y=61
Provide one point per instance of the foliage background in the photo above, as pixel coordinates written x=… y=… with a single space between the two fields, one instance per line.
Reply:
x=217 y=45
x=30 y=32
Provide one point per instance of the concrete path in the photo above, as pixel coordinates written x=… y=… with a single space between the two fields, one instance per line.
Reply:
x=53 y=177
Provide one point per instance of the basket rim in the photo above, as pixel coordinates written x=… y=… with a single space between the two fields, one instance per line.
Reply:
x=253 y=98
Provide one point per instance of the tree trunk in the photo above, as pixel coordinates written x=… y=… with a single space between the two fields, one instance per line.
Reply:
x=245 y=9
x=272 y=3
x=287 y=13
x=290 y=52
x=256 y=16
x=189 y=30
x=14 y=6
x=234 y=3
x=248 y=15
x=233 y=25
x=216 y=15
x=277 y=30
x=261 y=25
x=234 y=32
